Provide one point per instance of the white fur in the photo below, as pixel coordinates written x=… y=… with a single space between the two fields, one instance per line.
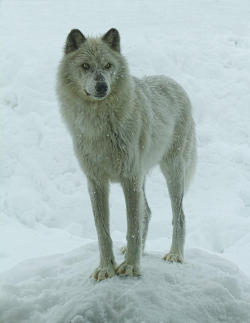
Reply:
x=140 y=123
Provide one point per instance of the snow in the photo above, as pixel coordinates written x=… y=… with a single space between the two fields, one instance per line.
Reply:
x=57 y=289
x=47 y=233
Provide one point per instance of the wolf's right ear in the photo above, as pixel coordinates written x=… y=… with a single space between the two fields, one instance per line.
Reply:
x=74 y=40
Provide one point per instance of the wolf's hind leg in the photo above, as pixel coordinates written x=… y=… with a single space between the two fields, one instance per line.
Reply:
x=173 y=170
x=145 y=220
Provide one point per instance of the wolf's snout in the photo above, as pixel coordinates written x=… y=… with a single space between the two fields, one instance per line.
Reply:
x=101 y=88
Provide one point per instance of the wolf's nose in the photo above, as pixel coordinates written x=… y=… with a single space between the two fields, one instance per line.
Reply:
x=101 y=88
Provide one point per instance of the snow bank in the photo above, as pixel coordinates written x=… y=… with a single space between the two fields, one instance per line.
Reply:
x=57 y=289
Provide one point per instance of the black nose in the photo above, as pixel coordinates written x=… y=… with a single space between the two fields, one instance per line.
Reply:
x=101 y=88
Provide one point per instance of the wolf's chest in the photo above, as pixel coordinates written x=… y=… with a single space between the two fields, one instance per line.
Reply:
x=106 y=149
x=106 y=154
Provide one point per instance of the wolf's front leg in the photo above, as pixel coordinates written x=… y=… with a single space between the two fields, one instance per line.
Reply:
x=134 y=200
x=99 y=198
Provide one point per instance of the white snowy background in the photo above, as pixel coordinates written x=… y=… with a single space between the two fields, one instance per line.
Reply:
x=48 y=242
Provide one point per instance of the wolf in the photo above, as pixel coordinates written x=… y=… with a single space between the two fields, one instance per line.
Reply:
x=122 y=126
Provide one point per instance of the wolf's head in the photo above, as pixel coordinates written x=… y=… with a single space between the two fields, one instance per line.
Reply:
x=93 y=67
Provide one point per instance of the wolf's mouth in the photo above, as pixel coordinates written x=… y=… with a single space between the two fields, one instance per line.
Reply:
x=98 y=97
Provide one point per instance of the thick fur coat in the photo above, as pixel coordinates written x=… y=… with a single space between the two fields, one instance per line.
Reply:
x=122 y=126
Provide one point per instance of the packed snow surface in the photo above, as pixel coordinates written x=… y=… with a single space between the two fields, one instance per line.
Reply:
x=57 y=289
x=47 y=234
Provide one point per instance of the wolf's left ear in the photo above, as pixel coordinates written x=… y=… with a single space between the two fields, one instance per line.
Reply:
x=112 y=38
x=74 y=40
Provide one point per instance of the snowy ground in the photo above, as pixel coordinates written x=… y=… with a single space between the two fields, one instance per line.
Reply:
x=44 y=205
x=57 y=289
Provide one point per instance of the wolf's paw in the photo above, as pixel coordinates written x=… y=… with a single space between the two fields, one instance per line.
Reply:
x=127 y=270
x=103 y=272
x=173 y=257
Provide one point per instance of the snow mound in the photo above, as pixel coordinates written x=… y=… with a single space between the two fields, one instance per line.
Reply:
x=57 y=289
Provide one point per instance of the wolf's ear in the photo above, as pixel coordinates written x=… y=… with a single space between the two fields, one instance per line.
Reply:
x=74 y=40
x=112 y=38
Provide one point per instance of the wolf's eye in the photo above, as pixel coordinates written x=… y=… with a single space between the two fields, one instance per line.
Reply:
x=107 y=66
x=85 y=66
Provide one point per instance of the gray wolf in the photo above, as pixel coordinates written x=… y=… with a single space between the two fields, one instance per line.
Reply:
x=121 y=126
